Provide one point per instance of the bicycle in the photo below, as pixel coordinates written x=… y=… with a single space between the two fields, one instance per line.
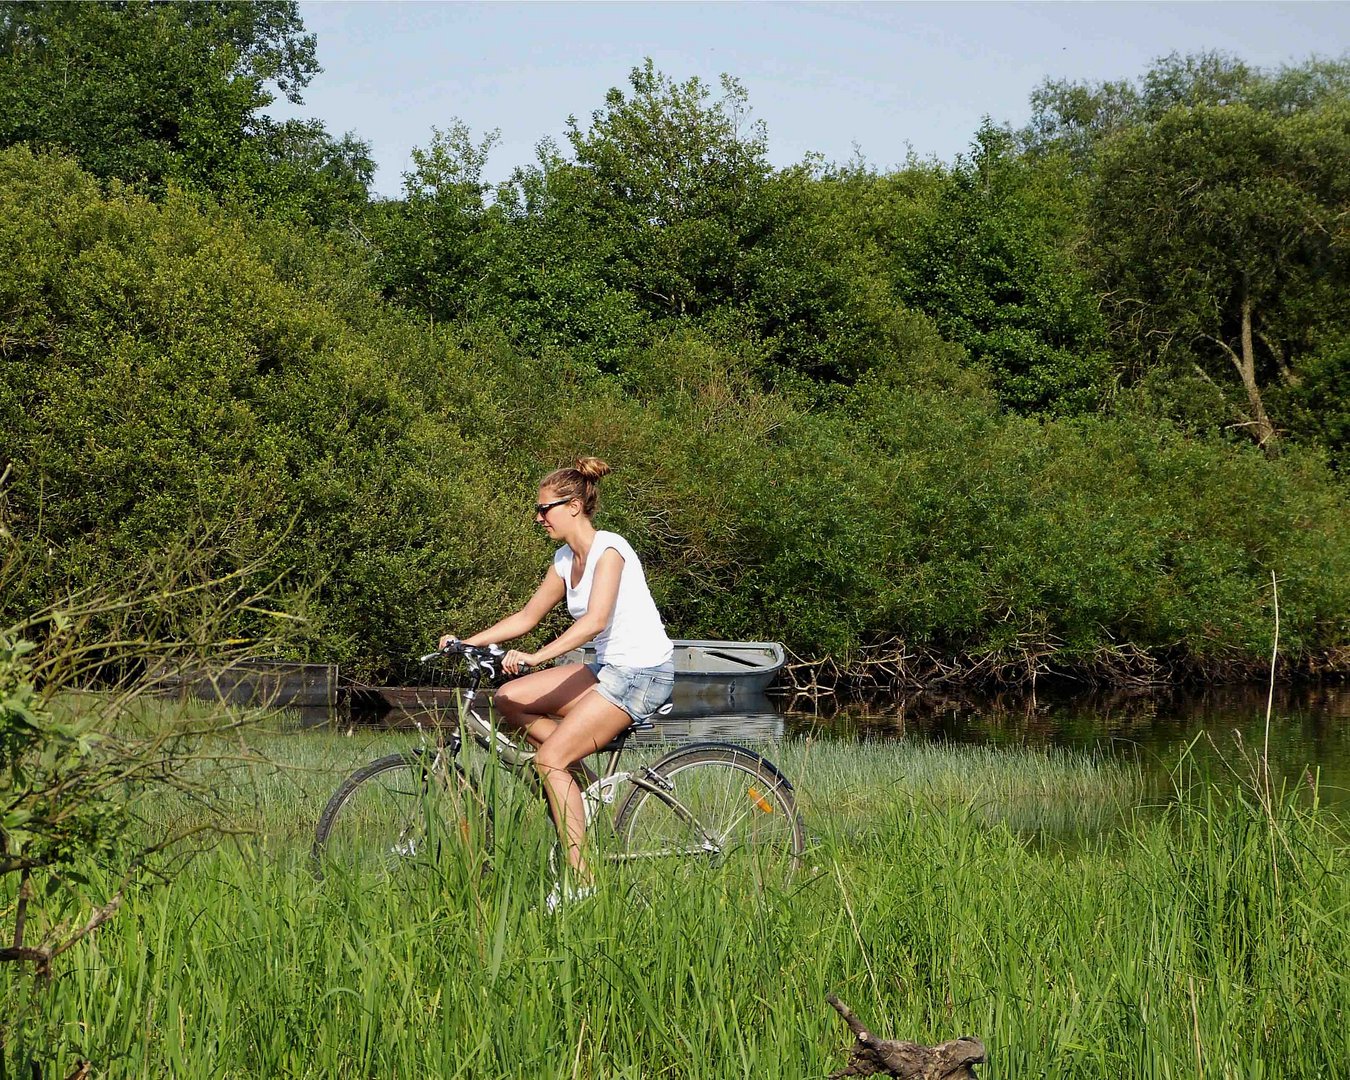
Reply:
x=715 y=802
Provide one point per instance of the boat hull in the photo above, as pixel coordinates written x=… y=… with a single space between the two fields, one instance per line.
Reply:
x=722 y=670
x=272 y=684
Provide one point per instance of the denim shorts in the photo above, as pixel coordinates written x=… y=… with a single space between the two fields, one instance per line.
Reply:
x=638 y=691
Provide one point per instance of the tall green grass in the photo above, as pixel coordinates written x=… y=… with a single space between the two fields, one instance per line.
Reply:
x=1206 y=939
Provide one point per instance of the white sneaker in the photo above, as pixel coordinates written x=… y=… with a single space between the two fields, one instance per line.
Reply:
x=561 y=895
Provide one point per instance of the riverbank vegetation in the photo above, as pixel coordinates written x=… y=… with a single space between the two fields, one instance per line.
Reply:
x=1063 y=404
x=1193 y=938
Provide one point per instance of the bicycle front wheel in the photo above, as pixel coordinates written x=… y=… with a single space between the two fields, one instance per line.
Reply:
x=400 y=811
x=715 y=805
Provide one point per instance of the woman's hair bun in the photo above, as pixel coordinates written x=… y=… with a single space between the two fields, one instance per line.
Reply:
x=592 y=468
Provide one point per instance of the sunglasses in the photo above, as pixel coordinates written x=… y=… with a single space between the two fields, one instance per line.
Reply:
x=542 y=509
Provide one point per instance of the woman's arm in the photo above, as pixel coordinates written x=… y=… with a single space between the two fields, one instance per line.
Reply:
x=604 y=594
x=548 y=594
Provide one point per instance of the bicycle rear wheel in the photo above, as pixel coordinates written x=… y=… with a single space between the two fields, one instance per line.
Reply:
x=715 y=805
x=400 y=811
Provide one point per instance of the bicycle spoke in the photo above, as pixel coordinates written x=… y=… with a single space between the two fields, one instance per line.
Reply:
x=715 y=807
x=398 y=812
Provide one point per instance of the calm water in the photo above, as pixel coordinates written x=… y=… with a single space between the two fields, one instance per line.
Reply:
x=1216 y=729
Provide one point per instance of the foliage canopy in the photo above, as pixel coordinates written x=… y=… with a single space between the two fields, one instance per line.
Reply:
x=171 y=91
x=979 y=409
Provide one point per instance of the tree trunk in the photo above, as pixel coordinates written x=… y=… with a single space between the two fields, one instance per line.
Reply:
x=1261 y=429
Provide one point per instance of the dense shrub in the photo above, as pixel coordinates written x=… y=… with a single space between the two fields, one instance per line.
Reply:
x=170 y=373
x=164 y=375
x=913 y=508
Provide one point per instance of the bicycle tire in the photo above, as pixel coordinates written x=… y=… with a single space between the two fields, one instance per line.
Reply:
x=715 y=805
x=394 y=813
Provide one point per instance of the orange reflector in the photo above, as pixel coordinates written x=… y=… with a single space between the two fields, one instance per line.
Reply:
x=760 y=801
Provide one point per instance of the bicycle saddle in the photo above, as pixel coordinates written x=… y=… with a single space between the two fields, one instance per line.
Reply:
x=617 y=743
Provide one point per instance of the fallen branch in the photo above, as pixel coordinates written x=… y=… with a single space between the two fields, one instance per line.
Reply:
x=871 y=1056
x=41 y=957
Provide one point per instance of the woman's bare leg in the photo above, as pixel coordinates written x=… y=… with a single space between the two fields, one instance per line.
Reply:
x=587 y=724
x=531 y=703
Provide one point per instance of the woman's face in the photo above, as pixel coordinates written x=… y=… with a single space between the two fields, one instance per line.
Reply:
x=550 y=511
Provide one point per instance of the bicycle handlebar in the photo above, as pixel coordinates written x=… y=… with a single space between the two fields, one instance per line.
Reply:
x=478 y=654
x=483 y=659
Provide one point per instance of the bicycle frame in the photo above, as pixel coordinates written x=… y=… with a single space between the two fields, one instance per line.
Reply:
x=703 y=828
x=482 y=661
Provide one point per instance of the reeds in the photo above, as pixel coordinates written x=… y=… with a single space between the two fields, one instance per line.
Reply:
x=1156 y=946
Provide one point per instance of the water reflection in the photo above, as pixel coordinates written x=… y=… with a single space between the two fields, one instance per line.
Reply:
x=695 y=717
x=1219 y=731
x=749 y=718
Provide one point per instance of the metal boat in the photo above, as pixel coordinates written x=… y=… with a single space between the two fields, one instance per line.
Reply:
x=711 y=678
x=721 y=670
x=276 y=684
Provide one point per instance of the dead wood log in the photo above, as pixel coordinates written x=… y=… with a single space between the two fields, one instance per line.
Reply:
x=871 y=1056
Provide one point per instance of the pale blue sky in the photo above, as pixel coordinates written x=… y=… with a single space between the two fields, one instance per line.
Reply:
x=885 y=77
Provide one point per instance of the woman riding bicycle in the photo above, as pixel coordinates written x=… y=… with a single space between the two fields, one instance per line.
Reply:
x=602 y=580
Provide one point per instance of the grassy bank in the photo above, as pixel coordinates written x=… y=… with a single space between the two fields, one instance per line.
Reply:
x=1207 y=939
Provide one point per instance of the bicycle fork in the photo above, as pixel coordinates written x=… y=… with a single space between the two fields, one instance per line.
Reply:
x=650 y=778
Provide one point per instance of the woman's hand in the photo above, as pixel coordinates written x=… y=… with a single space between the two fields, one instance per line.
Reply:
x=446 y=639
x=515 y=660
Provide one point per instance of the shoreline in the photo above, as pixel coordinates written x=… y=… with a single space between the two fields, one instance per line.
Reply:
x=895 y=668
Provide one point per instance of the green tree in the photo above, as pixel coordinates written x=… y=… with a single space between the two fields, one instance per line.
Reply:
x=553 y=269
x=1076 y=116
x=433 y=243
x=296 y=171
x=168 y=91
x=673 y=177
x=172 y=369
x=1317 y=406
x=665 y=212
x=669 y=200
x=1220 y=236
x=988 y=262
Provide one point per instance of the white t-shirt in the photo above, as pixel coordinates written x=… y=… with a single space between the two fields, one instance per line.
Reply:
x=635 y=636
